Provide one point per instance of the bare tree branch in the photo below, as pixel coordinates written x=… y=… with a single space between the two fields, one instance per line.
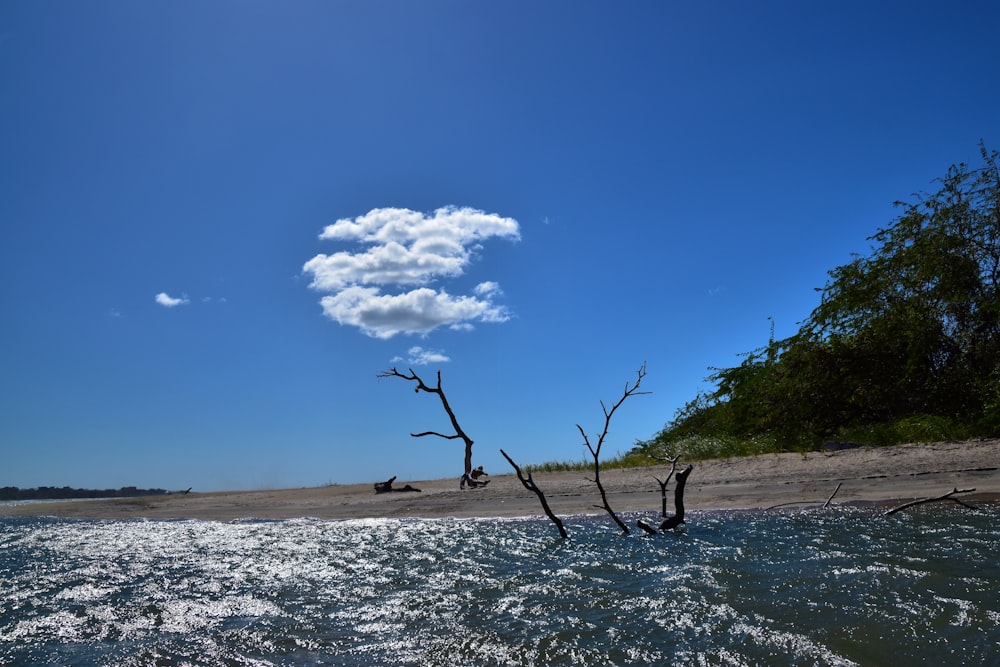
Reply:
x=948 y=496
x=830 y=499
x=440 y=435
x=631 y=389
x=459 y=433
x=646 y=527
x=530 y=485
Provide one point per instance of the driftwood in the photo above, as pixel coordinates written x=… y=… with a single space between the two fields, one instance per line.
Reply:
x=805 y=502
x=530 y=485
x=386 y=487
x=948 y=496
x=595 y=450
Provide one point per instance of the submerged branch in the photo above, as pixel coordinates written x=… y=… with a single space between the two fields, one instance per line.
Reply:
x=529 y=483
x=805 y=502
x=948 y=496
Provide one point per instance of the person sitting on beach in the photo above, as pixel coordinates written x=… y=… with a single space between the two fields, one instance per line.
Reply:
x=472 y=478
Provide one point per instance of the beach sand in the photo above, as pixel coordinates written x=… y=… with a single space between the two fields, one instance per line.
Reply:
x=886 y=475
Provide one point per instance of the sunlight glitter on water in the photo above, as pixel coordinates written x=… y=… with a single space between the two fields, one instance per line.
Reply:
x=833 y=587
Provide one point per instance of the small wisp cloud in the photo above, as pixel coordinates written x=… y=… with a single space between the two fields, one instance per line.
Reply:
x=388 y=284
x=168 y=301
x=418 y=356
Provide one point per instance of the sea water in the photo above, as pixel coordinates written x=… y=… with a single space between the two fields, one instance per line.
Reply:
x=844 y=586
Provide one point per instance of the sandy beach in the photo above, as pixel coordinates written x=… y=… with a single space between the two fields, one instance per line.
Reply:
x=865 y=475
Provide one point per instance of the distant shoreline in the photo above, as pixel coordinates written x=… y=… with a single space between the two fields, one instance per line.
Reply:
x=42 y=493
x=46 y=501
x=865 y=476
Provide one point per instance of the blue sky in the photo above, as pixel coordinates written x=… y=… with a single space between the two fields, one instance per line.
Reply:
x=221 y=220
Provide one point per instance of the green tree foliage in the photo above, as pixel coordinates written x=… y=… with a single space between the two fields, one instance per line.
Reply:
x=906 y=337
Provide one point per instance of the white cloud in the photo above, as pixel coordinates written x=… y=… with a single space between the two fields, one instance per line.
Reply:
x=408 y=250
x=488 y=288
x=168 y=301
x=418 y=311
x=418 y=356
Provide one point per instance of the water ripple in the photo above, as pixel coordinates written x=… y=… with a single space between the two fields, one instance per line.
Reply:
x=831 y=587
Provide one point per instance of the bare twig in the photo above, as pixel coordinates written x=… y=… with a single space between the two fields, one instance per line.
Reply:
x=440 y=435
x=828 y=500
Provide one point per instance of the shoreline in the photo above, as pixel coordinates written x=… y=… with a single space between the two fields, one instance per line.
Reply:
x=868 y=475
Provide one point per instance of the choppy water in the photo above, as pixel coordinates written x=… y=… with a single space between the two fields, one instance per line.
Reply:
x=821 y=587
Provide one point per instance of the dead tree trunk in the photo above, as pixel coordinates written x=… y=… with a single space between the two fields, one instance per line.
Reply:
x=663 y=485
x=678 y=517
x=530 y=485
x=459 y=433
x=595 y=450
x=663 y=494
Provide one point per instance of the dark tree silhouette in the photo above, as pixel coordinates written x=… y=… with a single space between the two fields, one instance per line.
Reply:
x=459 y=433
x=663 y=483
x=631 y=389
x=530 y=485
x=678 y=518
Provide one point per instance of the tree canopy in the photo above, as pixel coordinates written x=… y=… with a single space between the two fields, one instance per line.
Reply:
x=905 y=335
